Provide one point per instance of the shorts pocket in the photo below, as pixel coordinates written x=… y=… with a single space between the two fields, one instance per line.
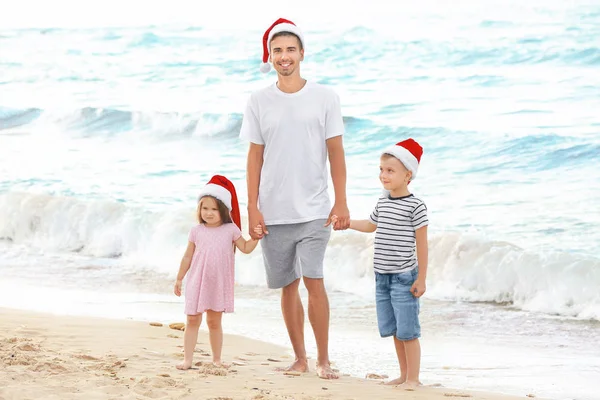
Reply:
x=406 y=278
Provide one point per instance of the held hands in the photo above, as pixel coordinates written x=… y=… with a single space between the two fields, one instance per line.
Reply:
x=418 y=288
x=255 y=219
x=342 y=217
x=177 y=289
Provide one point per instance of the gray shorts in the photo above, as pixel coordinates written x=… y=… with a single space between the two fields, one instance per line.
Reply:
x=294 y=250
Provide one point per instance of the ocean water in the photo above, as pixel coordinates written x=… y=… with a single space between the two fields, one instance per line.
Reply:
x=110 y=126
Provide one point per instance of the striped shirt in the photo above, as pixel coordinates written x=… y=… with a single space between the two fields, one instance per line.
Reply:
x=397 y=219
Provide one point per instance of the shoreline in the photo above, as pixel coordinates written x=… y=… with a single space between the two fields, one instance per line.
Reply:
x=46 y=356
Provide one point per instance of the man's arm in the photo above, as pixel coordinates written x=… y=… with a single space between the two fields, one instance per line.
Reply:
x=253 y=170
x=337 y=161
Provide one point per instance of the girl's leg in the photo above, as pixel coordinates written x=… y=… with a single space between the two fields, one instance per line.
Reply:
x=190 y=338
x=401 y=354
x=215 y=329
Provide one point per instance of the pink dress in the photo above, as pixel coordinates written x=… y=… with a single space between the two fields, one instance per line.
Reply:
x=211 y=277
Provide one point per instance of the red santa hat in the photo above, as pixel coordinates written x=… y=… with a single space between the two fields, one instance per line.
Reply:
x=222 y=189
x=409 y=153
x=281 y=25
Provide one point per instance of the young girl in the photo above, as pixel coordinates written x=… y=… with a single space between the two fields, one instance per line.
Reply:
x=209 y=258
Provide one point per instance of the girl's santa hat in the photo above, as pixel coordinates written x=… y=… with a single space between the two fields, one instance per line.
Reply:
x=222 y=189
x=281 y=25
x=409 y=153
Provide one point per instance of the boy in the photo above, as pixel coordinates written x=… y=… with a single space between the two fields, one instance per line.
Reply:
x=400 y=225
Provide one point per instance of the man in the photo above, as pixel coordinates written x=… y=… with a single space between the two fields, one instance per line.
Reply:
x=293 y=126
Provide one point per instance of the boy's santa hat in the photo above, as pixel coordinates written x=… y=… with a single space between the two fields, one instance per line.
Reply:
x=222 y=189
x=281 y=25
x=409 y=153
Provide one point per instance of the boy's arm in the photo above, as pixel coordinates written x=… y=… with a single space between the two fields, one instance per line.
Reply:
x=363 y=225
x=419 y=287
x=337 y=162
x=246 y=246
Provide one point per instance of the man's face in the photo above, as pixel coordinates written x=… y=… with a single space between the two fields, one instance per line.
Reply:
x=286 y=55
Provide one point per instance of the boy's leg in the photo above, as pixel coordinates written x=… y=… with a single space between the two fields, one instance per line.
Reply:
x=413 y=358
x=408 y=330
x=401 y=354
x=279 y=255
x=215 y=330
x=311 y=254
x=190 y=338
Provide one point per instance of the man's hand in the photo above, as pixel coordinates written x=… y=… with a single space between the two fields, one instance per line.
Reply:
x=256 y=224
x=418 y=288
x=339 y=217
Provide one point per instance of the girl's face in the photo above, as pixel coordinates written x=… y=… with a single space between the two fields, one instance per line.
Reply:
x=209 y=211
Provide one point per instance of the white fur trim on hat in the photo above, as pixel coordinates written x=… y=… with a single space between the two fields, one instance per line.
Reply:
x=285 y=27
x=406 y=157
x=218 y=192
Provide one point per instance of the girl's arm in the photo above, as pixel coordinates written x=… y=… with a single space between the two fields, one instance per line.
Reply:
x=246 y=246
x=186 y=262
x=363 y=225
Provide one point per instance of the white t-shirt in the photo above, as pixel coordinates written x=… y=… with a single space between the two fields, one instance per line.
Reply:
x=293 y=127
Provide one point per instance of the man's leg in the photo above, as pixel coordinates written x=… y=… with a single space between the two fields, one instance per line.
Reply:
x=279 y=254
x=293 y=315
x=311 y=253
x=318 y=315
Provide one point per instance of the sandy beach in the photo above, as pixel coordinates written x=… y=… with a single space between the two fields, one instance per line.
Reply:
x=59 y=357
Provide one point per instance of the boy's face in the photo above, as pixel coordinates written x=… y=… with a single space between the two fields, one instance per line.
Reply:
x=286 y=54
x=392 y=173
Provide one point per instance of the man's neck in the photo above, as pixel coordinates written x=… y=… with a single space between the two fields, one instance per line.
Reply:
x=290 y=84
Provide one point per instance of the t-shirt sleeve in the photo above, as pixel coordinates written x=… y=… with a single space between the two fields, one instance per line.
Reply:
x=250 y=129
x=236 y=232
x=373 y=218
x=419 y=216
x=334 y=122
x=192 y=235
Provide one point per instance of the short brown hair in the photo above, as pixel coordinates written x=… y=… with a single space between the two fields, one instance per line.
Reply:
x=223 y=210
x=284 y=33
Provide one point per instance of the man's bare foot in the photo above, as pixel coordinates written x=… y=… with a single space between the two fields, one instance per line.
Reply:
x=184 y=365
x=326 y=372
x=410 y=385
x=298 y=366
x=395 y=382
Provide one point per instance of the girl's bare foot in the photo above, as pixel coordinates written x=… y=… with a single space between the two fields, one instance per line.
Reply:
x=410 y=385
x=395 y=382
x=326 y=372
x=184 y=365
x=298 y=366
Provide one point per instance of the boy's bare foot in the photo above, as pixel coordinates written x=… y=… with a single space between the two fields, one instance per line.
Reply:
x=298 y=366
x=326 y=372
x=220 y=364
x=395 y=382
x=184 y=365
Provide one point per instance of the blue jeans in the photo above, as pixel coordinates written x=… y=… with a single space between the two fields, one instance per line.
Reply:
x=397 y=307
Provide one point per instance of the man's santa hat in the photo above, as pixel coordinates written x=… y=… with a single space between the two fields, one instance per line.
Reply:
x=281 y=25
x=222 y=189
x=409 y=153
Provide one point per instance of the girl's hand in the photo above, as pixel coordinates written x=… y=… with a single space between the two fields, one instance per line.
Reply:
x=258 y=231
x=177 y=289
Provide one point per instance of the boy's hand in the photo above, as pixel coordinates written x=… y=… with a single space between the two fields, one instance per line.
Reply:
x=418 y=288
x=177 y=289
